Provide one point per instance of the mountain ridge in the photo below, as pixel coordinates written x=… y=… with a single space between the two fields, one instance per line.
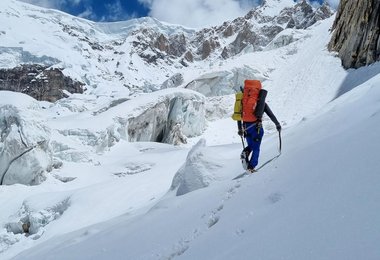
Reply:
x=100 y=54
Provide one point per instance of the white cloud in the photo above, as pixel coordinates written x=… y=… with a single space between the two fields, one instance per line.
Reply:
x=55 y=4
x=333 y=3
x=113 y=10
x=146 y=2
x=59 y=4
x=43 y=3
x=198 y=13
x=88 y=14
x=191 y=13
x=201 y=13
x=116 y=12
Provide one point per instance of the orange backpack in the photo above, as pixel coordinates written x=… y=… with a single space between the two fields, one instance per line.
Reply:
x=250 y=99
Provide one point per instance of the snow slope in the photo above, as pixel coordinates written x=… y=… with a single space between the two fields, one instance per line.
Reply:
x=318 y=200
x=113 y=199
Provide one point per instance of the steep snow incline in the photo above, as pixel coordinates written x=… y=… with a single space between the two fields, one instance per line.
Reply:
x=301 y=78
x=319 y=200
x=311 y=77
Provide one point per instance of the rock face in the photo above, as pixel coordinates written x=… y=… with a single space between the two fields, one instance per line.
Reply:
x=39 y=82
x=356 y=33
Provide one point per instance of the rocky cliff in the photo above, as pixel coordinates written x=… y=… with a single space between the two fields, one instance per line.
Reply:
x=356 y=32
x=39 y=82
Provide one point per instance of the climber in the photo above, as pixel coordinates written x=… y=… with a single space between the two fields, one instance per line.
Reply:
x=249 y=108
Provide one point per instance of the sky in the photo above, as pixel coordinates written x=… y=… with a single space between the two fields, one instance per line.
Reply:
x=203 y=12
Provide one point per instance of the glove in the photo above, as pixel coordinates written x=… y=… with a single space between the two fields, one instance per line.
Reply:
x=278 y=127
x=240 y=132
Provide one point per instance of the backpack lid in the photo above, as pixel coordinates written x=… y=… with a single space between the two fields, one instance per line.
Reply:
x=252 y=83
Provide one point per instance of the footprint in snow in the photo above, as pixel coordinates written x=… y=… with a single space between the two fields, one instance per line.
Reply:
x=134 y=168
x=274 y=197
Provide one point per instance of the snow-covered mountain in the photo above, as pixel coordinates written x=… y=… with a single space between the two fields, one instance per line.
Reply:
x=89 y=176
x=103 y=54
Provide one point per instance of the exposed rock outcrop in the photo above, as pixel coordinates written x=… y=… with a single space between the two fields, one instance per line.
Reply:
x=39 y=82
x=356 y=33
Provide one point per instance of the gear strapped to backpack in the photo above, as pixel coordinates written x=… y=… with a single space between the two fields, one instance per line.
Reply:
x=249 y=104
x=238 y=106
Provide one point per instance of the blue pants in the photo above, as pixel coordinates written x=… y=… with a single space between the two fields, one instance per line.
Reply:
x=253 y=137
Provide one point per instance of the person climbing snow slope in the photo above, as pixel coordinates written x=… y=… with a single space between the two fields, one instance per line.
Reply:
x=249 y=108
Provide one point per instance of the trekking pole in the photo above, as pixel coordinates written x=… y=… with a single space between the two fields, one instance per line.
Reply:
x=280 y=143
x=242 y=142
